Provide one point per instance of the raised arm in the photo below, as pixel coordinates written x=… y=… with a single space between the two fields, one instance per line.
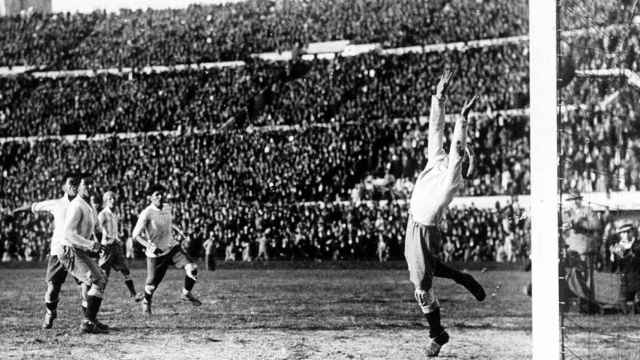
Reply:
x=71 y=225
x=436 y=116
x=459 y=138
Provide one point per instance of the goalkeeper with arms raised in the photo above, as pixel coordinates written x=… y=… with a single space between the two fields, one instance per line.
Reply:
x=434 y=189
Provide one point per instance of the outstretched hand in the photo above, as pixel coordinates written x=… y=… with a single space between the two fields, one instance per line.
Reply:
x=468 y=106
x=443 y=84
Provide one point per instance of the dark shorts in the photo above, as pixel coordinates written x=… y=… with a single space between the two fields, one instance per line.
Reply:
x=56 y=273
x=421 y=241
x=157 y=267
x=113 y=258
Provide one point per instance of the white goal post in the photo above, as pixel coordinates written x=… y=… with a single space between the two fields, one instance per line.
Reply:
x=544 y=180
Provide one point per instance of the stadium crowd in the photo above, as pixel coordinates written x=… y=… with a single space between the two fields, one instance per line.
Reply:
x=600 y=142
x=310 y=164
x=324 y=231
x=366 y=161
x=364 y=87
x=295 y=193
x=233 y=31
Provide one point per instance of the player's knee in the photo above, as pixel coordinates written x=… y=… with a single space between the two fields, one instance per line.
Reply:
x=95 y=290
x=192 y=270
x=100 y=281
x=427 y=300
x=125 y=273
x=149 y=289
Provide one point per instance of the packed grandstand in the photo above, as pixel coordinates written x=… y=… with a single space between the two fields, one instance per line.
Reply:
x=315 y=155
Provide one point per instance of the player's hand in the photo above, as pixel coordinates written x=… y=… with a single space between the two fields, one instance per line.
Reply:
x=443 y=84
x=97 y=249
x=468 y=106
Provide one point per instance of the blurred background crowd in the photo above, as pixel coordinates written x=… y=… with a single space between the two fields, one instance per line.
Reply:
x=346 y=89
x=335 y=144
x=236 y=30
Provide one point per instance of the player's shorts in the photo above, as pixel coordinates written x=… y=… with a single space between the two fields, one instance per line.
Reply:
x=56 y=273
x=82 y=267
x=157 y=266
x=113 y=258
x=419 y=242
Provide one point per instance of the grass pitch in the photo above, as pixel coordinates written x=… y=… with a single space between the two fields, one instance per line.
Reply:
x=270 y=314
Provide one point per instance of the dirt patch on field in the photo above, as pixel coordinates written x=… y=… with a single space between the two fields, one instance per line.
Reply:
x=271 y=314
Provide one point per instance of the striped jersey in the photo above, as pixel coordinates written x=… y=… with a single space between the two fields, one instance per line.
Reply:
x=157 y=225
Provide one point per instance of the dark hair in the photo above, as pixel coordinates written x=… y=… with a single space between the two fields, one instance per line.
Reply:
x=156 y=188
x=76 y=177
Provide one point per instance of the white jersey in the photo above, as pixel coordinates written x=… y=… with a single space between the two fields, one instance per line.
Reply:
x=57 y=208
x=434 y=190
x=79 y=225
x=157 y=226
x=108 y=223
x=438 y=183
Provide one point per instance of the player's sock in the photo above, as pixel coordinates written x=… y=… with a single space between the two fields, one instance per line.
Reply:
x=444 y=271
x=93 y=306
x=132 y=289
x=188 y=283
x=147 y=297
x=51 y=306
x=435 y=327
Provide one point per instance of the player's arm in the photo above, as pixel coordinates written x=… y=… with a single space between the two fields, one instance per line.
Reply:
x=72 y=223
x=136 y=234
x=177 y=229
x=46 y=205
x=459 y=138
x=436 y=116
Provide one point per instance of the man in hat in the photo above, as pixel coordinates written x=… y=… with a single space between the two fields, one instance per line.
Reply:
x=584 y=229
x=434 y=189
x=626 y=247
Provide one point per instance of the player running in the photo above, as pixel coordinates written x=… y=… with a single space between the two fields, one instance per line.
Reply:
x=113 y=255
x=56 y=273
x=155 y=222
x=434 y=189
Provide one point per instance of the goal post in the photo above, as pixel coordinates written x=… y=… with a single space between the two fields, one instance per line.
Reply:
x=544 y=179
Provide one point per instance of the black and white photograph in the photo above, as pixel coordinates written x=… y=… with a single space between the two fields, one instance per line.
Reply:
x=599 y=178
x=319 y=179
